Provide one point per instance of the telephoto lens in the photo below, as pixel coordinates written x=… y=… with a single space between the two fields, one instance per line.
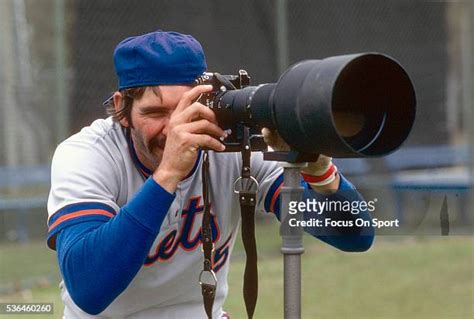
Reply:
x=358 y=105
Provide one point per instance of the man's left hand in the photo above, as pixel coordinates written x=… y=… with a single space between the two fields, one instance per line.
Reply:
x=321 y=175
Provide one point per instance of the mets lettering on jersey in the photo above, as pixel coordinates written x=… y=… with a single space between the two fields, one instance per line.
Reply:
x=188 y=237
x=96 y=172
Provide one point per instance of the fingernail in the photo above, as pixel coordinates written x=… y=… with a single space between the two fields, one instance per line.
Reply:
x=222 y=147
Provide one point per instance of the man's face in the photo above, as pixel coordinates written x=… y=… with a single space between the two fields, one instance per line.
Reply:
x=150 y=118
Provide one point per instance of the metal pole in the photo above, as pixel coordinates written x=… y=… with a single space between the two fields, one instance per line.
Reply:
x=469 y=76
x=470 y=88
x=282 y=35
x=467 y=65
x=29 y=136
x=9 y=105
x=292 y=240
x=62 y=107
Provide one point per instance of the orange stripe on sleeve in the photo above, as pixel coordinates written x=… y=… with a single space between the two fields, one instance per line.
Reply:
x=79 y=214
x=274 y=198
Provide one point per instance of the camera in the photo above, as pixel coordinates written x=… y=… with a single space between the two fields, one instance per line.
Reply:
x=229 y=116
x=357 y=105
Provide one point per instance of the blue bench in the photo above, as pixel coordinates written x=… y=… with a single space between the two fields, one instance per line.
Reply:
x=428 y=157
x=19 y=192
x=439 y=168
x=352 y=166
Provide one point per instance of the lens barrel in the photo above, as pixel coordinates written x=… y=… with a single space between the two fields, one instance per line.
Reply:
x=358 y=105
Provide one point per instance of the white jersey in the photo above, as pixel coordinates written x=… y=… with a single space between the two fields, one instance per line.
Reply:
x=96 y=172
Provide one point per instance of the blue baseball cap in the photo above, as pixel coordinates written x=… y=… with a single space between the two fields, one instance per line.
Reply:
x=158 y=58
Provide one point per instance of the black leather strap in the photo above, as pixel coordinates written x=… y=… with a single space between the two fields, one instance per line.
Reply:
x=247 y=199
x=250 y=290
x=208 y=294
x=207 y=278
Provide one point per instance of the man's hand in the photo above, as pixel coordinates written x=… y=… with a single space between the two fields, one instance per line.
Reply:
x=274 y=140
x=323 y=172
x=191 y=126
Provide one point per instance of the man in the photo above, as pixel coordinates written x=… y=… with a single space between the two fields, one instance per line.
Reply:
x=125 y=206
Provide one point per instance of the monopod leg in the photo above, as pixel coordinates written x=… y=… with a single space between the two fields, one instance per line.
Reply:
x=292 y=241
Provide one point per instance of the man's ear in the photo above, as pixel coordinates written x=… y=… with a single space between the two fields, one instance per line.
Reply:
x=118 y=98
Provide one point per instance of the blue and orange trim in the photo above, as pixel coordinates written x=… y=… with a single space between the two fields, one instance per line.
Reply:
x=142 y=169
x=272 y=200
x=77 y=213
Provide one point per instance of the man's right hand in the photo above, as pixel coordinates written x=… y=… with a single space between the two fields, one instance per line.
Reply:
x=192 y=126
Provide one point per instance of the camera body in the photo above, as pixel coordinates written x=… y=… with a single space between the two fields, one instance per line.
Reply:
x=225 y=113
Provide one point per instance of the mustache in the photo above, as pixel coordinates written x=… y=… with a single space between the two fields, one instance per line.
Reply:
x=155 y=142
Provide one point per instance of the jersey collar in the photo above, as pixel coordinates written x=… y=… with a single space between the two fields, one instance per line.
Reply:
x=142 y=169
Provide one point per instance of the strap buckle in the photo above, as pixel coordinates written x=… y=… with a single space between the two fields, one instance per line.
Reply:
x=212 y=276
x=253 y=181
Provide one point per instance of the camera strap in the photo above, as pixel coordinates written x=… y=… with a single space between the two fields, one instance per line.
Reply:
x=248 y=199
x=207 y=277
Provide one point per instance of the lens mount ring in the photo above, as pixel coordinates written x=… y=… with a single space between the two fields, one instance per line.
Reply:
x=241 y=179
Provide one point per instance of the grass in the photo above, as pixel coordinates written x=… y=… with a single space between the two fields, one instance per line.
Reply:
x=29 y=273
x=400 y=277
x=23 y=261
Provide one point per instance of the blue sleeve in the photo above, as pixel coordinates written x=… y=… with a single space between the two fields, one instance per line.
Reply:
x=106 y=255
x=351 y=239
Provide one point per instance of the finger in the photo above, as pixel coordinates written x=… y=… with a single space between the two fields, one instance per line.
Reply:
x=266 y=132
x=203 y=127
x=191 y=96
x=269 y=136
x=194 y=112
x=207 y=141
